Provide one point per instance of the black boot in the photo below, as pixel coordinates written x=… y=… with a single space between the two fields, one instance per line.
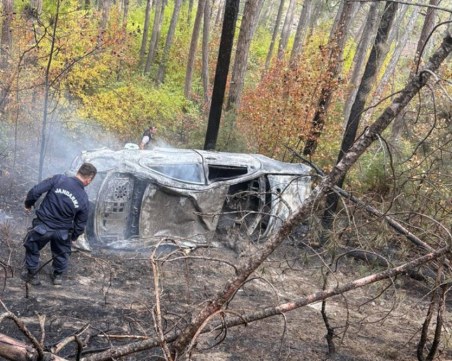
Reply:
x=57 y=278
x=30 y=277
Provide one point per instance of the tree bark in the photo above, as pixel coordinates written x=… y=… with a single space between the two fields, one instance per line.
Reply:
x=6 y=37
x=205 y=51
x=275 y=33
x=300 y=35
x=190 y=10
x=377 y=55
x=47 y=92
x=169 y=42
x=15 y=350
x=390 y=69
x=193 y=47
x=427 y=28
x=37 y=6
x=360 y=56
x=220 y=12
x=156 y=28
x=144 y=39
x=125 y=13
x=336 y=48
x=221 y=73
x=104 y=19
x=250 y=16
x=285 y=32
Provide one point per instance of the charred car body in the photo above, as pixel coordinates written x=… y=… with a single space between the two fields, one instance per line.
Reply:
x=140 y=197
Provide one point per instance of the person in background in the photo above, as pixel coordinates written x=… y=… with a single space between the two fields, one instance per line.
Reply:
x=60 y=219
x=148 y=136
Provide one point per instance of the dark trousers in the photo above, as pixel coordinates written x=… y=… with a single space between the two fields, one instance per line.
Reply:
x=38 y=237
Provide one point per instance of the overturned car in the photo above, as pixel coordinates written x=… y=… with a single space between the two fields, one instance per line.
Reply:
x=187 y=196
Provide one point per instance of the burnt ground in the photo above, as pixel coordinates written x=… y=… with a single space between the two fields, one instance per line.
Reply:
x=113 y=293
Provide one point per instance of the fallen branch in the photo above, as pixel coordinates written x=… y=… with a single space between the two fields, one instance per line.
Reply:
x=15 y=350
x=275 y=310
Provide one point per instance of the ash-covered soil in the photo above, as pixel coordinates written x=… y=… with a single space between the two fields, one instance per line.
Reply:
x=111 y=294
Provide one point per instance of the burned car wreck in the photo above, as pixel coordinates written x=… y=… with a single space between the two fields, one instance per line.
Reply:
x=141 y=197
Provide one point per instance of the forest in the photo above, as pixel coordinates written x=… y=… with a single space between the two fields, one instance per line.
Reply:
x=358 y=90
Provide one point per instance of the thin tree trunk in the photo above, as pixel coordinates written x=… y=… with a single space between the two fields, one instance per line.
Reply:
x=144 y=39
x=221 y=73
x=360 y=55
x=190 y=10
x=265 y=13
x=6 y=37
x=126 y=13
x=250 y=16
x=275 y=33
x=336 y=49
x=285 y=32
x=316 y=11
x=300 y=35
x=390 y=69
x=47 y=92
x=376 y=57
x=158 y=18
x=36 y=6
x=427 y=28
x=193 y=47
x=205 y=52
x=220 y=12
x=169 y=42
x=104 y=19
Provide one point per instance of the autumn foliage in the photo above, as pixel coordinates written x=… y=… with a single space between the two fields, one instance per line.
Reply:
x=278 y=112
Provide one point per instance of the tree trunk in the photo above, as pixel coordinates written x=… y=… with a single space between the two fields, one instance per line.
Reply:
x=250 y=16
x=220 y=12
x=376 y=57
x=264 y=13
x=316 y=10
x=193 y=47
x=285 y=32
x=15 y=350
x=190 y=10
x=205 y=52
x=336 y=49
x=275 y=33
x=390 y=69
x=126 y=13
x=360 y=55
x=36 y=6
x=169 y=42
x=302 y=29
x=221 y=73
x=427 y=28
x=104 y=18
x=144 y=39
x=158 y=17
x=6 y=37
x=47 y=92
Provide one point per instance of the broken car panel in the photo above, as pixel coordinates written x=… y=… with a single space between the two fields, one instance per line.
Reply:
x=141 y=197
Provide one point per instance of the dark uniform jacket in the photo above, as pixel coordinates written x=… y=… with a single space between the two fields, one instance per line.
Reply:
x=65 y=207
x=147 y=133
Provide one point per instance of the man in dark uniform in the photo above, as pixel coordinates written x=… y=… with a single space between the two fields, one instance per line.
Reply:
x=148 y=135
x=60 y=219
